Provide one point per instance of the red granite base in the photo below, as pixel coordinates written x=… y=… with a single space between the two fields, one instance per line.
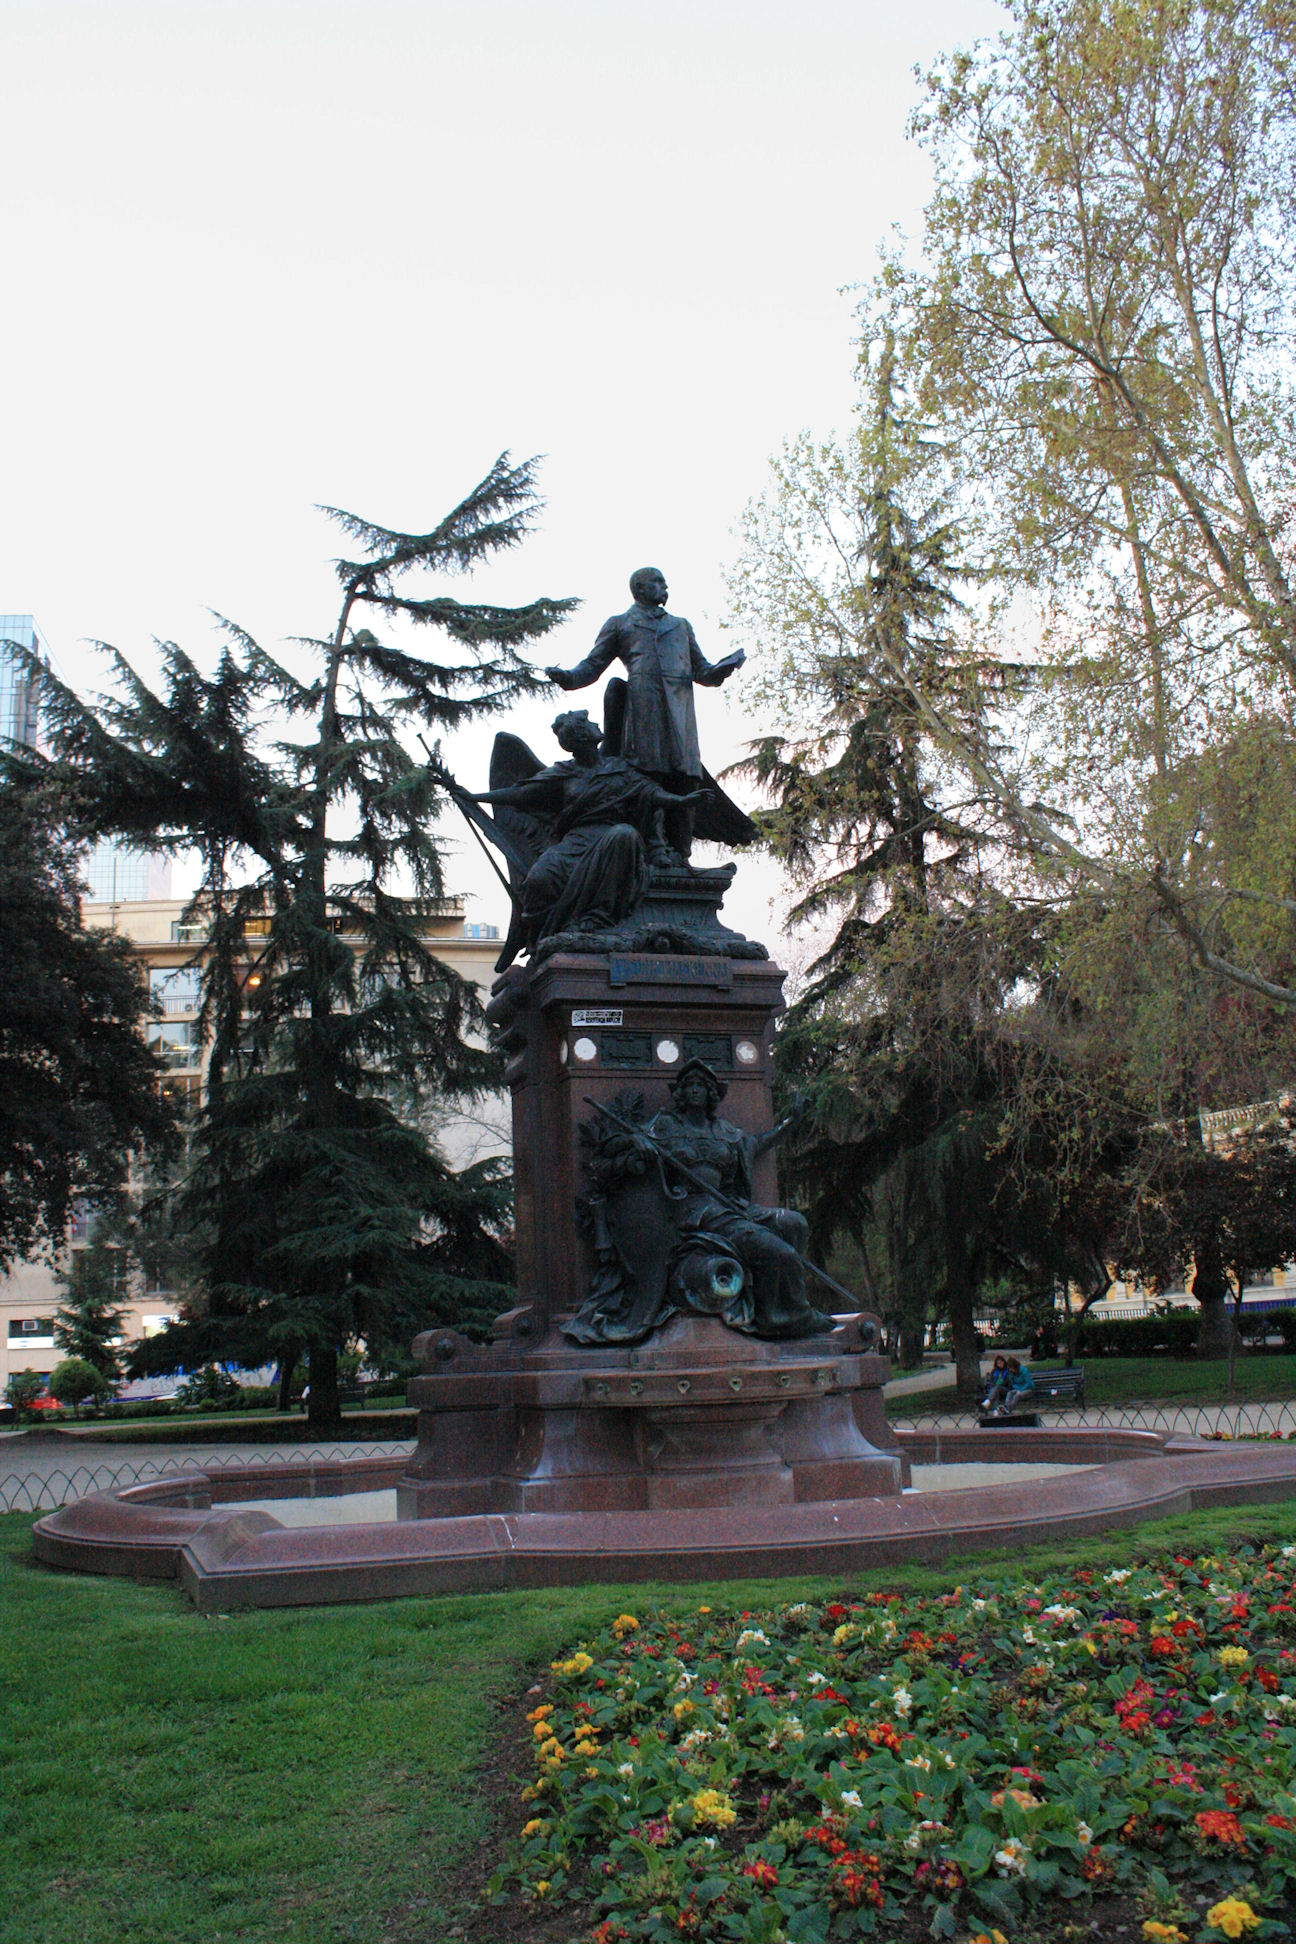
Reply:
x=700 y=1416
x=190 y=1527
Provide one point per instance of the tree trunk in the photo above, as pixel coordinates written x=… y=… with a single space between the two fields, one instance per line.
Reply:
x=287 y=1371
x=324 y=1417
x=1234 y=1321
x=967 y=1344
x=911 y=1343
x=1211 y=1292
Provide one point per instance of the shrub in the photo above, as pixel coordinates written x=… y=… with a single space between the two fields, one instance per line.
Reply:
x=22 y=1390
x=144 y=1407
x=1170 y=1332
x=211 y=1386
x=76 y=1382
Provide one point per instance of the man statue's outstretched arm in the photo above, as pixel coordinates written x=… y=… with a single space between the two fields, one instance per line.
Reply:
x=710 y=674
x=601 y=655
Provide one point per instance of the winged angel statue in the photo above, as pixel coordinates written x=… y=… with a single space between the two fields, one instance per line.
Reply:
x=578 y=836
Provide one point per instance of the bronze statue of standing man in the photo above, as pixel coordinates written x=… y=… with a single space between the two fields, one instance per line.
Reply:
x=657 y=724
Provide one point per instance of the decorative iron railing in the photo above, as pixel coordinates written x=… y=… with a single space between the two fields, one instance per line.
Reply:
x=1239 y=1419
x=42 y=1491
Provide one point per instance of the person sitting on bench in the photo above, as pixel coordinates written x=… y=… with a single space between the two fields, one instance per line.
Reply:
x=1018 y=1390
x=997 y=1386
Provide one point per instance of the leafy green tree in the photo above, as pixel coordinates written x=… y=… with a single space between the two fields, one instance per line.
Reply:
x=1101 y=308
x=21 y=1391
x=78 y=1086
x=851 y=593
x=90 y=1320
x=76 y=1382
x=325 y=1215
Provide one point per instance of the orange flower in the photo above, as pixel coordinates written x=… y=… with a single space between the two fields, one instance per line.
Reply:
x=1221 y=1826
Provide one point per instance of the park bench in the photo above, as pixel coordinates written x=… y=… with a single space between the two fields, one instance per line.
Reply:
x=1052 y=1387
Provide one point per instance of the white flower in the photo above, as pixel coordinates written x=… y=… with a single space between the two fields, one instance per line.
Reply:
x=709 y=1842
x=1011 y=1859
x=750 y=1633
x=625 y=1768
x=1118 y=1575
x=903 y=1701
x=979 y=1606
x=851 y=1799
x=1287 y=1551
x=835 y=1734
x=1061 y=1613
x=696 y=1738
x=924 y=1832
x=1084 y=1834
x=918 y=1762
x=1028 y=1636
x=817 y=1680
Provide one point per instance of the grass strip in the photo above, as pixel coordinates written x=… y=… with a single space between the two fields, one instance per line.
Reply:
x=1259 y=1377
x=312 y=1776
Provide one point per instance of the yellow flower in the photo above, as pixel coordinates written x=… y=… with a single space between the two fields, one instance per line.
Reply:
x=681 y=1709
x=988 y=1937
x=1234 y=1657
x=623 y=1624
x=528 y=1794
x=541 y=1730
x=1163 y=1933
x=576 y=1665
x=542 y=1887
x=709 y=1806
x=704 y=1609
x=591 y=1775
x=533 y=1828
x=1232 y=1916
x=538 y=1714
x=550 y=1750
x=584 y=1747
x=843 y=1634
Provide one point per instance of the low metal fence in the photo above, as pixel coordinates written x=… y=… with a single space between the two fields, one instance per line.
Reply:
x=1240 y=1419
x=43 y=1489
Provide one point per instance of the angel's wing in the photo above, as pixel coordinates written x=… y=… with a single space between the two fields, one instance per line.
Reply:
x=513 y=762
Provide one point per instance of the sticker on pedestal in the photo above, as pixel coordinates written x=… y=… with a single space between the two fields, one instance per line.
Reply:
x=597 y=1016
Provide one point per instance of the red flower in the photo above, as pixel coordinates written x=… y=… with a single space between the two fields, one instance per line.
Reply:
x=1220 y=1826
x=762 y=1874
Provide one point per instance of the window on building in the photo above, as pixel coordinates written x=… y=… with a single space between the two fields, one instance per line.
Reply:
x=175 y=987
x=21 y=1327
x=178 y=1042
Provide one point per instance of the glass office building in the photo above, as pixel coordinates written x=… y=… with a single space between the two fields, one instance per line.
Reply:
x=18 y=702
x=116 y=875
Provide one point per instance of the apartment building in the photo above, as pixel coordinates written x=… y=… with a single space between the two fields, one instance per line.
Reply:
x=169 y=949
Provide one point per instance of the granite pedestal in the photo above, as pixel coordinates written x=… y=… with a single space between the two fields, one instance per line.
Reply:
x=699 y=1415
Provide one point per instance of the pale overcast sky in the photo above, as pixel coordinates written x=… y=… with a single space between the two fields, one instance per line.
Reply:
x=258 y=256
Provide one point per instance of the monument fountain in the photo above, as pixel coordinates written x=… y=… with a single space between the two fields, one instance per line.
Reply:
x=678 y=1392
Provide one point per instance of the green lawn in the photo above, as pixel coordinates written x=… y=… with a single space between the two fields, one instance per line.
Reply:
x=1120 y=1380
x=313 y=1776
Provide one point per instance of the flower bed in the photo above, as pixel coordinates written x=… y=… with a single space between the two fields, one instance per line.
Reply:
x=1104 y=1748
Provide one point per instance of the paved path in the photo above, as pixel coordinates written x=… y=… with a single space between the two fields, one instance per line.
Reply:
x=940 y=1375
x=37 y=1471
